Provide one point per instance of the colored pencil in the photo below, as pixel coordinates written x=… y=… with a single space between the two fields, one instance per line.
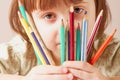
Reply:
x=102 y=48
x=67 y=36
x=39 y=46
x=44 y=48
x=26 y=27
x=78 y=43
x=62 y=42
x=71 y=33
x=68 y=44
x=66 y=40
x=94 y=31
x=84 y=39
x=22 y=10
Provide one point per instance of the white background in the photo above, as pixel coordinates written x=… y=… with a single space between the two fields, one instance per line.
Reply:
x=6 y=33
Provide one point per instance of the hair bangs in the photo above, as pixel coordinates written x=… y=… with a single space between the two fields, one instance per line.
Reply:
x=40 y=4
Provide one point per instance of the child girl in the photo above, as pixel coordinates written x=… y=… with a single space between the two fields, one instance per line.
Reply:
x=20 y=59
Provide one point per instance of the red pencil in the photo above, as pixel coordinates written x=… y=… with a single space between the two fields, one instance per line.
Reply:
x=71 y=33
x=102 y=48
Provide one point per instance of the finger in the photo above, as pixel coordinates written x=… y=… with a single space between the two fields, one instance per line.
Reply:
x=49 y=69
x=53 y=77
x=79 y=65
x=82 y=75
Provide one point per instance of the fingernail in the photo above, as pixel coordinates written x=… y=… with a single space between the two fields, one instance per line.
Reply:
x=65 y=70
x=70 y=76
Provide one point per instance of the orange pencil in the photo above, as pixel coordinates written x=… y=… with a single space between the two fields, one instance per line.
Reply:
x=102 y=48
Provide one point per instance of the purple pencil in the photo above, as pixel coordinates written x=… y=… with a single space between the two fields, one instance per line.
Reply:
x=39 y=46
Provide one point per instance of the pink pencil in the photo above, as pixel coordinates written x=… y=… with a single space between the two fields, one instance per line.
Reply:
x=94 y=31
x=102 y=48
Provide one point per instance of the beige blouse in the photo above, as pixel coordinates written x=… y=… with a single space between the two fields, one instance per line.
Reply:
x=17 y=57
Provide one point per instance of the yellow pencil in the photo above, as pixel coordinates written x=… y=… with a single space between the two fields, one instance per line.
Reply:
x=26 y=27
x=47 y=53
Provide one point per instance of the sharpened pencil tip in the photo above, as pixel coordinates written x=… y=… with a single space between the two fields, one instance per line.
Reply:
x=78 y=26
x=62 y=22
x=67 y=25
x=19 y=2
x=101 y=12
x=71 y=9
x=20 y=16
x=114 y=32
x=85 y=12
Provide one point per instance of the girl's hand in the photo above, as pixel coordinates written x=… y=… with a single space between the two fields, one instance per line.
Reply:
x=48 y=72
x=84 y=71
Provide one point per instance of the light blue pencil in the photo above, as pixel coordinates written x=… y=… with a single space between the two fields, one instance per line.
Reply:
x=84 y=40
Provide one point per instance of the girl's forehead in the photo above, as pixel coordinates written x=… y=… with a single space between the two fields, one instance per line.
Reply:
x=75 y=1
x=48 y=4
x=68 y=2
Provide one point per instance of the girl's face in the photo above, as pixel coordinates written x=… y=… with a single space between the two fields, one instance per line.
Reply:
x=48 y=22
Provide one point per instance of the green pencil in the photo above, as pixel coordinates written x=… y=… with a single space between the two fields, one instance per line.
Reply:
x=78 y=44
x=62 y=42
x=22 y=10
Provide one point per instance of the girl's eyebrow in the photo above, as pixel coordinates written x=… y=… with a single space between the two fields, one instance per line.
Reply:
x=79 y=1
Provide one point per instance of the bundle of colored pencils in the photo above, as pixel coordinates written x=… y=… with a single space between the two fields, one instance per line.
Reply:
x=67 y=39
x=83 y=47
x=40 y=49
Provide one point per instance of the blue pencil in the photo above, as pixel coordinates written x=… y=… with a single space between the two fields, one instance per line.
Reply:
x=84 y=40
x=68 y=45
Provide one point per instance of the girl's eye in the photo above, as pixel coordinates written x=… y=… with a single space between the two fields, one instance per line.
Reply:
x=79 y=13
x=50 y=17
x=78 y=10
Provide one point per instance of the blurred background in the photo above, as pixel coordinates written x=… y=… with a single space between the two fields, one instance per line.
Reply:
x=6 y=33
